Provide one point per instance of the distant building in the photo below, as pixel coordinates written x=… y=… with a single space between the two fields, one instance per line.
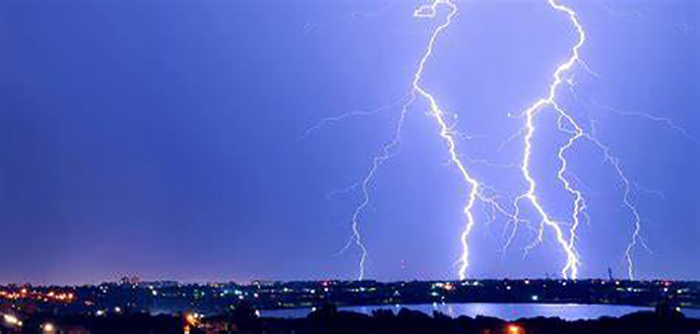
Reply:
x=133 y=280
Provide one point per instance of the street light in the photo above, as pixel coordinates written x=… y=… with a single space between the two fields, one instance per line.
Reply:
x=48 y=328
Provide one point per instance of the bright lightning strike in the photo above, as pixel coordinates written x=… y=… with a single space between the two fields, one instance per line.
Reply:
x=477 y=191
x=429 y=11
x=570 y=270
x=567 y=124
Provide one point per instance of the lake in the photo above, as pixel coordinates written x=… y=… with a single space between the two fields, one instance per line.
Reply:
x=502 y=311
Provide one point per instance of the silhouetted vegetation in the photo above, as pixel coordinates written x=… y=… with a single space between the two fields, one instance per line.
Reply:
x=329 y=320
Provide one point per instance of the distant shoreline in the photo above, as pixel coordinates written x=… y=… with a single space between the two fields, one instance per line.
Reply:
x=158 y=297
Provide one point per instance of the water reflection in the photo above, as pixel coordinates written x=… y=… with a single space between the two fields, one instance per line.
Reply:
x=503 y=311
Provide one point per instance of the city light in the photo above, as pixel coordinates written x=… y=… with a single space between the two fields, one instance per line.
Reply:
x=26 y=294
x=515 y=329
x=12 y=320
x=191 y=319
x=48 y=328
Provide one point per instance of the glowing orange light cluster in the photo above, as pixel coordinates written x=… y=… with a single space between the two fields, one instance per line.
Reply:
x=515 y=329
x=51 y=296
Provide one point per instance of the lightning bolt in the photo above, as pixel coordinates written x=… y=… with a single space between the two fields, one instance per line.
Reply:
x=477 y=191
x=567 y=124
x=387 y=152
x=570 y=270
x=429 y=11
x=627 y=200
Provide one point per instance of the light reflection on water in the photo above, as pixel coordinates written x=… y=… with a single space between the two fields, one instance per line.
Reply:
x=502 y=311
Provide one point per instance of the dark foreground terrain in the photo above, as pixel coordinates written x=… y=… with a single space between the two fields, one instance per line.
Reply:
x=328 y=320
